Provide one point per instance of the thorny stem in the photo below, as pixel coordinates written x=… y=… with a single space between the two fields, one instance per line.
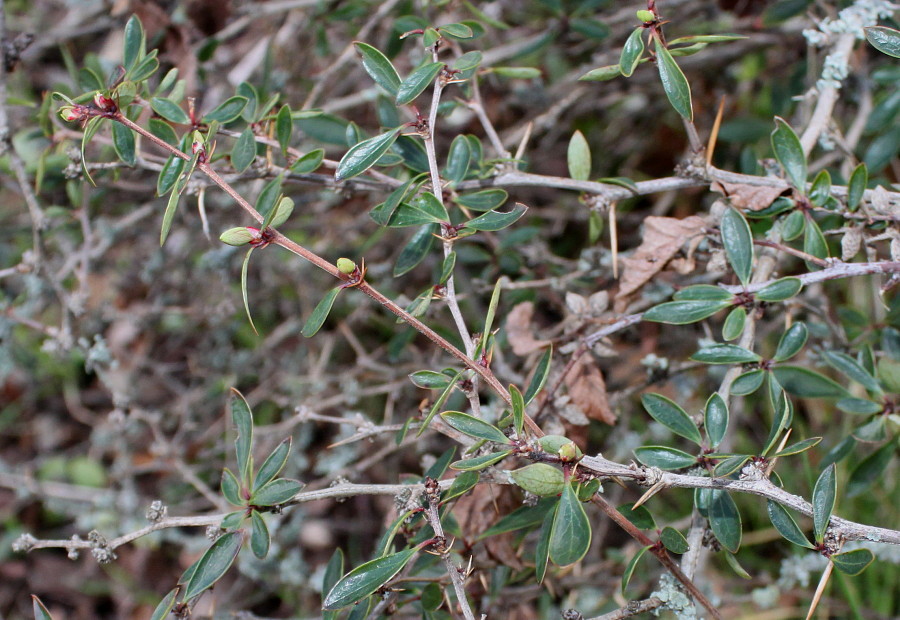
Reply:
x=432 y=515
x=437 y=189
x=660 y=552
x=632 y=609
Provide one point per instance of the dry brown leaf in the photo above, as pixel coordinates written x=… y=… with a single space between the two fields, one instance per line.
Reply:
x=587 y=389
x=663 y=237
x=519 y=331
x=751 y=197
x=478 y=510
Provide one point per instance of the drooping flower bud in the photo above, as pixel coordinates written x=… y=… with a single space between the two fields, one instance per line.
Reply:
x=71 y=113
x=104 y=103
x=242 y=235
x=646 y=16
x=346 y=266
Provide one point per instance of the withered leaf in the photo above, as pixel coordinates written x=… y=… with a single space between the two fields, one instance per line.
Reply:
x=663 y=237
x=519 y=330
x=752 y=197
x=587 y=389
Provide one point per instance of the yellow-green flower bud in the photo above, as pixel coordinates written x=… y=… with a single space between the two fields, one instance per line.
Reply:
x=570 y=452
x=237 y=236
x=346 y=266
x=646 y=16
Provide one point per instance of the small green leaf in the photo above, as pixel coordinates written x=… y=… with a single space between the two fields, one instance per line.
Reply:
x=725 y=354
x=417 y=81
x=281 y=212
x=242 y=418
x=366 y=579
x=706 y=38
x=259 y=535
x=474 y=427
x=632 y=52
x=736 y=566
x=570 y=537
x=364 y=155
x=684 y=312
x=439 y=403
x=456 y=31
x=495 y=220
x=484 y=200
x=123 y=142
x=90 y=130
x=807 y=383
x=40 y=611
x=820 y=189
x=458 y=160
x=480 y=462
x=579 y=157
x=284 y=126
x=823 y=498
x=725 y=520
x=463 y=483
x=169 y=175
x=163 y=131
x=734 y=323
x=782 y=416
x=729 y=466
x=415 y=251
x=793 y=226
x=516 y=73
x=542 y=549
x=852 y=369
x=226 y=111
x=430 y=380
x=791 y=342
x=539 y=479
x=814 y=242
x=437 y=469
x=779 y=290
x=664 y=458
x=170 y=111
x=214 y=563
x=748 y=382
x=308 y=162
x=674 y=83
x=166 y=605
x=632 y=564
x=520 y=518
x=856 y=187
x=786 y=526
x=333 y=571
x=673 y=540
x=244 y=151
x=885 y=40
x=231 y=488
x=379 y=68
x=273 y=464
x=245 y=293
x=169 y=215
x=797 y=448
x=859 y=406
x=702 y=292
x=670 y=415
x=640 y=517
x=539 y=378
x=602 y=74
x=789 y=153
x=320 y=313
x=447 y=267
x=518 y=409
x=133 y=48
x=276 y=492
x=853 y=562
x=715 y=419
x=871 y=468
x=738 y=242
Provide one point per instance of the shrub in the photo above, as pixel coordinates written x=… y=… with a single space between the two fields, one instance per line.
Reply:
x=494 y=465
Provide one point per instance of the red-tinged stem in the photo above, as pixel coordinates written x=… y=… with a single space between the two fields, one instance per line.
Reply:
x=658 y=551
x=321 y=263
